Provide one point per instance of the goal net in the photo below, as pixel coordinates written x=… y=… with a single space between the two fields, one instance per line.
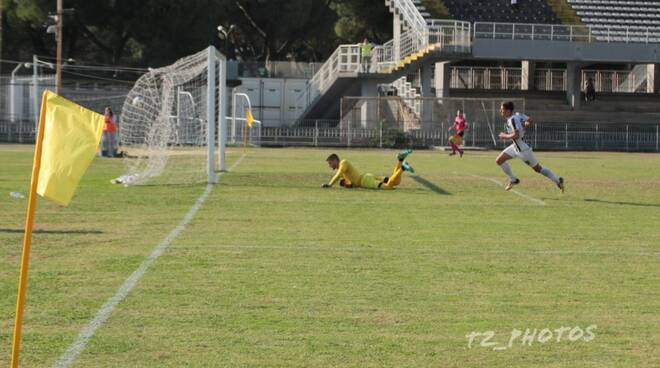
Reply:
x=169 y=120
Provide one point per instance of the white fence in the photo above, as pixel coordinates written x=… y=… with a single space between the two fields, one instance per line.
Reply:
x=543 y=136
x=626 y=81
x=550 y=80
x=486 y=78
x=494 y=78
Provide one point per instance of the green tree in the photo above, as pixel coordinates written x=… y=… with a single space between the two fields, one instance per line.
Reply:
x=360 y=19
x=157 y=32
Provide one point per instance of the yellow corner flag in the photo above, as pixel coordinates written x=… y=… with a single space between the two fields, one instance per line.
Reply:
x=249 y=118
x=66 y=144
x=71 y=138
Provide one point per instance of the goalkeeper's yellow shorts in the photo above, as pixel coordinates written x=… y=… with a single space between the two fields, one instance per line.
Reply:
x=370 y=181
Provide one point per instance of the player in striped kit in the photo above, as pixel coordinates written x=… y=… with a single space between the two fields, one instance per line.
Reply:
x=520 y=148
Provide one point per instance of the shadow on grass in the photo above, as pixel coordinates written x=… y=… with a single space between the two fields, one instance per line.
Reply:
x=165 y=185
x=429 y=185
x=622 y=203
x=39 y=231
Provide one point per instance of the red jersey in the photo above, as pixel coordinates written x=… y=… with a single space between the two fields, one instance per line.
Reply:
x=460 y=124
x=110 y=126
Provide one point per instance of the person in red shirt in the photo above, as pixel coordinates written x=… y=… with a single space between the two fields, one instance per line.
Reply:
x=109 y=133
x=460 y=125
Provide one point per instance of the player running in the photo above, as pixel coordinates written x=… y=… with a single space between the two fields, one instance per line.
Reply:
x=460 y=125
x=349 y=177
x=515 y=126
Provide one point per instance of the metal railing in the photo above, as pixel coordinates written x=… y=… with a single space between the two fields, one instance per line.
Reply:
x=561 y=32
x=625 y=81
x=486 y=78
x=452 y=36
x=346 y=58
x=550 y=79
x=543 y=136
x=410 y=15
x=410 y=95
x=621 y=81
x=456 y=34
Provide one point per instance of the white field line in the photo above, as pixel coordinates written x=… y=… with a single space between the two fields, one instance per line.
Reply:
x=74 y=350
x=322 y=249
x=521 y=194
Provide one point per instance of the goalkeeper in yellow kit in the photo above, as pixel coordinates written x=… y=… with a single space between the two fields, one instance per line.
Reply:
x=349 y=177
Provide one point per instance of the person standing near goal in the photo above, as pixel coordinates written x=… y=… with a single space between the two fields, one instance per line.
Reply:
x=520 y=148
x=109 y=133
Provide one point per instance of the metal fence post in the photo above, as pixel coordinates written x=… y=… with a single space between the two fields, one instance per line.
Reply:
x=566 y=136
x=380 y=135
x=316 y=134
x=657 y=139
x=348 y=134
x=627 y=135
x=442 y=133
x=597 y=140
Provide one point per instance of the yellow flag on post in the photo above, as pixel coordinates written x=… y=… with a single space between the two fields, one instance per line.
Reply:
x=66 y=144
x=249 y=118
x=71 y=138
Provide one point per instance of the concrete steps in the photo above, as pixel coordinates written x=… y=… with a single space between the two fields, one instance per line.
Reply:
x=552 y=107
x=419 y=55
x=623 y=103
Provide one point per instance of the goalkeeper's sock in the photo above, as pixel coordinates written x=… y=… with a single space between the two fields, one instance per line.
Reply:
x=549 y=174
x=403 y=154
x=406 y=167
x=507 y=170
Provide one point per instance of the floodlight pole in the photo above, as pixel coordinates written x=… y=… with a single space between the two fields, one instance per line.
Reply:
x=1 y=34
x=58 y=39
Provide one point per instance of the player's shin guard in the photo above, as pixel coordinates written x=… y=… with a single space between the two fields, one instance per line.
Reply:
x=507 y=170
x=549 y=174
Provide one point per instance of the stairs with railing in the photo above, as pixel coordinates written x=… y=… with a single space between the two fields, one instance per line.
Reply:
x=410 y=16
x=411 y=101
x=422 y=39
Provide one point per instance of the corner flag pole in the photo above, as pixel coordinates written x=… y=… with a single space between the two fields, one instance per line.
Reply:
x=27 y=239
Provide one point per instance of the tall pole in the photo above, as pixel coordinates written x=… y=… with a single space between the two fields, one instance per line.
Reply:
x=1 y=35
x=35 y=91
x=58 y=39
x=210 y=115
x=222 y=100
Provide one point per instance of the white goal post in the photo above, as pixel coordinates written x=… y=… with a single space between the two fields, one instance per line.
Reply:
x=177 y=113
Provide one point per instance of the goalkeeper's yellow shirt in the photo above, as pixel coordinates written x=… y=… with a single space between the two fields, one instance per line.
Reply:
x=348 y=172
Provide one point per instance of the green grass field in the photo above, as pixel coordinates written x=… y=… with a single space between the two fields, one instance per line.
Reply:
x=275 y=272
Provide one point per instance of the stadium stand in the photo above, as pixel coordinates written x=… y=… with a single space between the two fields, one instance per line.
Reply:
x=436 y=9
x=480 y=48
x=565 y=11
x=433 y=9
x=617 y=19
x=527 y=11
